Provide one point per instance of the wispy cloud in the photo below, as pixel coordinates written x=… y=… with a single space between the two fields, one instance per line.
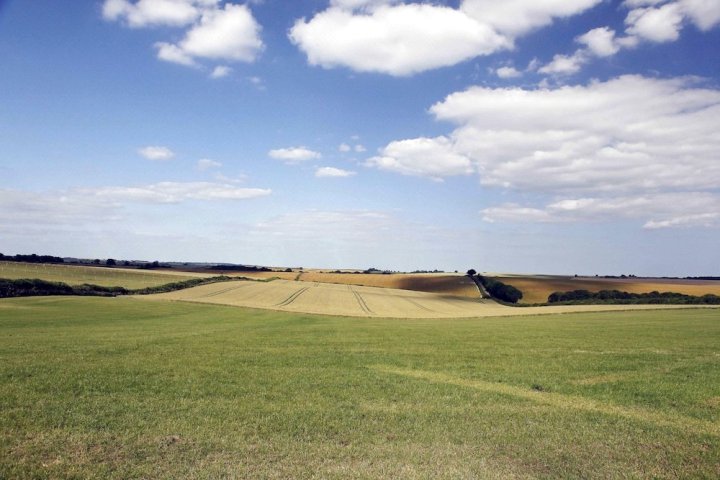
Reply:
x=293 y=155
x=156 y=152
x=332 y=172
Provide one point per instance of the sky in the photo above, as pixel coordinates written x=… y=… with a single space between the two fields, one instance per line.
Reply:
x=526 y=136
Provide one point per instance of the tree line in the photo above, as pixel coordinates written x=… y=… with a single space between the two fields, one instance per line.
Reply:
x=619 y=297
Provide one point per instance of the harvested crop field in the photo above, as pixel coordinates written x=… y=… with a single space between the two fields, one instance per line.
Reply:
x=105 y=276
x=442 y=283
x=360 y=301
x=537 y=288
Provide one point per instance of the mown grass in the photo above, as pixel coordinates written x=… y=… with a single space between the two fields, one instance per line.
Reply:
x=126 y=388
x=78 y=275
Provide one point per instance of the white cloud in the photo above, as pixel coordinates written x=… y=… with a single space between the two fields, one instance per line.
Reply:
x=508 y=72
x=662 y=210
x=705 y=14
x=174 y=192
x=661 y=24
x=215 y=31
x=395 y=39
x=206 y=164
x=157 y=153
x=630 y=136
x=400 y=38
x=294 y=154
x=148 y=13
x=429 y=157
x=706 y=220
x=221 y=71
x=600 y=41
x=230 y=34
x=565 y=64
x=518 y=17
x=174 y=54
x=360 y=148
x=344 y=148
x=332 y=172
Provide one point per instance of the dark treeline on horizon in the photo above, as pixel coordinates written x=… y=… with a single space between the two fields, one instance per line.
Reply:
x=33 y=258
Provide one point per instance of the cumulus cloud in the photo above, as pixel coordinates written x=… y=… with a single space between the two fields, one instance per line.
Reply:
x=230 y=34
x=157 y=153
x=508 y=72
x=657 y=21
x=429 y=157
x=518 y=17
x=628 y=136
x=344 y=148
x=221 y=71
x=406 y=38
x=600 y=41
x=294 y=154
x=656 y=24
x=398 y=40
x=207 y=164
x=332 y=172
x=565 y=64
x=147 y=13
x=662 y=20
x=227 y=32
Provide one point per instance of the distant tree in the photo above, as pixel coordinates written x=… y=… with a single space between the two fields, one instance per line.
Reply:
x=471 y=272
x=110 y=262
x=96 y=261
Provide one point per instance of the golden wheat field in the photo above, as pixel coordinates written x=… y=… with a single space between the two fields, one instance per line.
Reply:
x=442 y=283
x=100 y=275
x=361 y=301
x=536 y=288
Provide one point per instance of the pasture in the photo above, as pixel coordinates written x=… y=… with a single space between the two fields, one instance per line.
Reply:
x=104 y=276
x=536 y=288
x=122 y=388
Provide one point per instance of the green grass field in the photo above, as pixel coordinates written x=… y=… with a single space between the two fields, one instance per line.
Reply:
x=77 y=275
x=126 y=388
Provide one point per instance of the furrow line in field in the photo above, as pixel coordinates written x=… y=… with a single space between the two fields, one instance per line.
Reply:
x=292 y=297
x=224 y=290
x=361 y=302
x=422 y=307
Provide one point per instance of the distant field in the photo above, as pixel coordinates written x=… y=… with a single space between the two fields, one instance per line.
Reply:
x=446 y=284
x=359 y=301
x=537 y=288
x=122 y=388
x=77 y=275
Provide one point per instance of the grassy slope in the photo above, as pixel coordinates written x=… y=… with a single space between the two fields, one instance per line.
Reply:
x=119 y=388
x=77 y=275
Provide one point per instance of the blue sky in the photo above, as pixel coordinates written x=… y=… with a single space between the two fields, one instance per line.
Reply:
x=520 y=136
